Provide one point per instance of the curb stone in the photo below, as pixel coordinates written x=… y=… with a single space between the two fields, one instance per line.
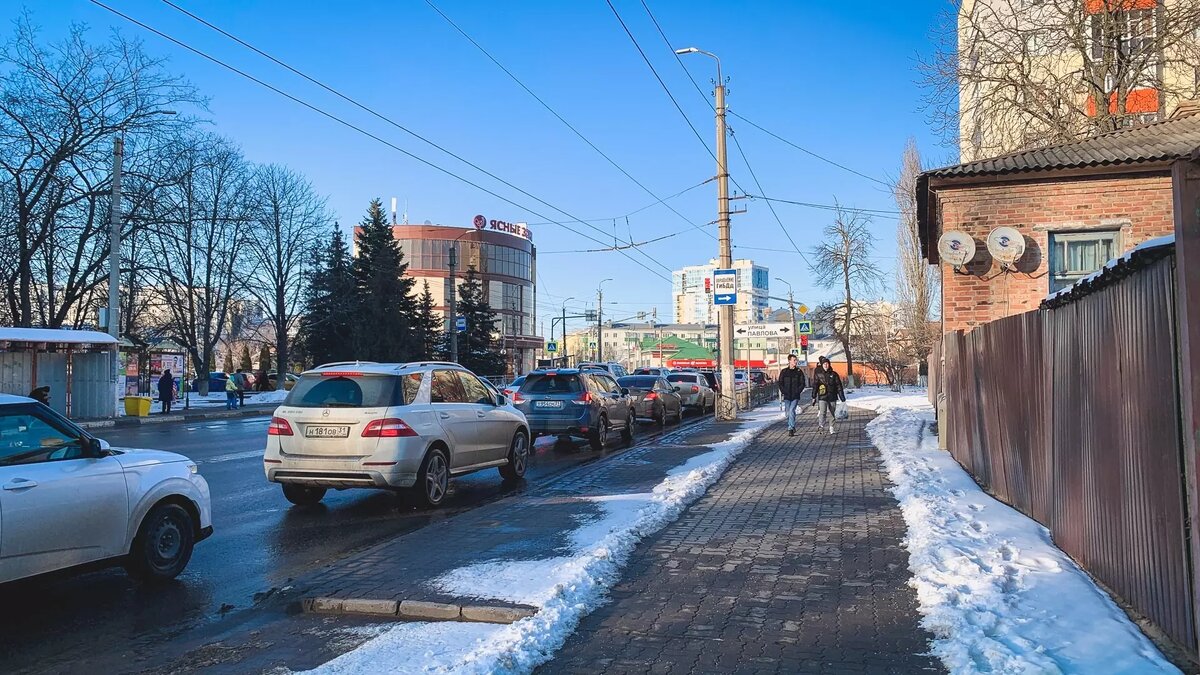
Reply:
x=164 y=419
x=417 y=610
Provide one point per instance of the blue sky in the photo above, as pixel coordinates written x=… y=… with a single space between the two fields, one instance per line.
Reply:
x=836 y=78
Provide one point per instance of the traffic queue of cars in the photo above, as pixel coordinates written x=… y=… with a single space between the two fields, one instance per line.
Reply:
x=400 y=426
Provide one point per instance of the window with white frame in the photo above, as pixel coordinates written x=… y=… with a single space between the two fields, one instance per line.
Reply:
x=1074 y=255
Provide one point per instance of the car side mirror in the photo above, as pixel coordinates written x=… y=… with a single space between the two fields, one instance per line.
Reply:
x=501 y=400
x=98 y=447
x=624 y=391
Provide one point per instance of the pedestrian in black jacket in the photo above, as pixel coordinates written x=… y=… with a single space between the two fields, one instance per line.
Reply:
x=791 y=387
x=166 y=391
x=827 y=391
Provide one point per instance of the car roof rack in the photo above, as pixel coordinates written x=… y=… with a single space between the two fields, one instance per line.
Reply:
x=346 y=363
x=434 y=363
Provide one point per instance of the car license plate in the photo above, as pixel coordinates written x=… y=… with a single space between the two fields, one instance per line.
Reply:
x=327 y=432
x=547 y=404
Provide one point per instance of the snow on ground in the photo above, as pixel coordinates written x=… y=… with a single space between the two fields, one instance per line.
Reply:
x=217 y=399
x=993 y=589
x=564 y=588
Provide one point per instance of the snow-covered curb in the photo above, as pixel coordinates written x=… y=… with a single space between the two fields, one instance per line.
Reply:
x=565 y=588
x=993 y=589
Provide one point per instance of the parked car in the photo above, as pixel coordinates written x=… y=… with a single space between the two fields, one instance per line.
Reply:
x=289 y=380
x=614 y=369
x=694 y=389
x=653 y=398
x=572 y=402
x=655 y=371
x=216 y=382
x=391 y=426
x=70 y=500
x=713 y=379
x=740 y=382
x=513 y=386
x=759 y=377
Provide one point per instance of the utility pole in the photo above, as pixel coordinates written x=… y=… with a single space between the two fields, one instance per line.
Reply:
x=114 y=268
x=453 y=306
x=600 y=321
x=792 y=307
x=564 y=334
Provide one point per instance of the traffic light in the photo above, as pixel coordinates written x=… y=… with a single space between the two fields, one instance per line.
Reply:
x=804 y=341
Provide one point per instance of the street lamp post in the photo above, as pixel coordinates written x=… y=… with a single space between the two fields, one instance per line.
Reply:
x=453 y=304
x=792 y=306
x=725 y=327
x=600 y=321
x=564 y=331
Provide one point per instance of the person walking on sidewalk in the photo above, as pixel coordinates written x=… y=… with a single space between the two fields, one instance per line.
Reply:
x=243 y=383
x=827 y=391
x=791 y=387
x=166 y=391
x=231 y=393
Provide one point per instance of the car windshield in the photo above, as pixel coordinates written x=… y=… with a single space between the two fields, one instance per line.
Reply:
x=352 y=391
x=638 y=381
x=551 y=384
x=681 y=377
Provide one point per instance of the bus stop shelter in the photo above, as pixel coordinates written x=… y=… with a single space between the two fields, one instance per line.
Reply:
x=75 y=364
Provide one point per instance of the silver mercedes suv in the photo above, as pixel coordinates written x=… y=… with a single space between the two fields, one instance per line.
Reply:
x=390 y=426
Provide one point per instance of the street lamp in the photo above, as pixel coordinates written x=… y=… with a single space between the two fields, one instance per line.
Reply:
x=792 y=306
x=600 y=320
x=564 y=330
x=725 y=246
x=453 y=297
x=114 y=259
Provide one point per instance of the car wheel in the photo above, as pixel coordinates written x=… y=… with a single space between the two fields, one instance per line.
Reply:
x=627 y=432
x=660 y=416
x=163 y=545
x=598 y=436
x=433 y=480
x=303 y=495
x=518 y=458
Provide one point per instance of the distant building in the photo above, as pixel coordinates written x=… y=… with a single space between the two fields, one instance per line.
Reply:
x=692 y=299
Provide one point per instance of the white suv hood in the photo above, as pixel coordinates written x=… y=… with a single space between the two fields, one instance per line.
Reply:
x=135 y=457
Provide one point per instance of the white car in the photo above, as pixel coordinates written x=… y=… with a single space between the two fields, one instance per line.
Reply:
x=391 y=426
x=67 y=500
x=694 y=390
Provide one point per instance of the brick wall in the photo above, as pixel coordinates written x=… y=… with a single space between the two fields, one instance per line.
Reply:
x=1140 y=207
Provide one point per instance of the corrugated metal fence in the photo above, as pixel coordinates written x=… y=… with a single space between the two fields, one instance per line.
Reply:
x=1071 y=415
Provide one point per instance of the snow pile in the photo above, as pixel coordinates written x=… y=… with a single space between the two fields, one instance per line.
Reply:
x=992 y=587
x=564 y=588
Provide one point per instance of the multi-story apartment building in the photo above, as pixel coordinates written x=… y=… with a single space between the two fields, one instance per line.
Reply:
x=692 y=292
x=1036 y=72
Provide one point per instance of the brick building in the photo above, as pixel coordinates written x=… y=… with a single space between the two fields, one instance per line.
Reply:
x=1076 y=204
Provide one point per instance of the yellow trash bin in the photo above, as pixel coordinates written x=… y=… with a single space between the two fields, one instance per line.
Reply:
x=137 y=406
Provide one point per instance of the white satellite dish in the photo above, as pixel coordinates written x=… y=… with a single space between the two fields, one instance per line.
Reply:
x=956 y=248
x=1006 y=244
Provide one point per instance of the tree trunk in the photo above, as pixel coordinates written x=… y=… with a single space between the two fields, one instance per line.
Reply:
x=846 y=332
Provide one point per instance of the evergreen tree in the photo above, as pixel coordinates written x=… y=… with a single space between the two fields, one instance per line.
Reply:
x=244 y=363
x=478 y=346
x=387 y=309
x=228 y=361
x=327 y=324
x=429 y=326
x=264 y=358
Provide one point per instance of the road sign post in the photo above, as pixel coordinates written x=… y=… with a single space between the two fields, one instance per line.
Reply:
x=724 y=287
x=460 y=324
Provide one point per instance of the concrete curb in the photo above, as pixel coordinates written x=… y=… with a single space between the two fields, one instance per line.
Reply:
x=417 y=610
x=122 y=422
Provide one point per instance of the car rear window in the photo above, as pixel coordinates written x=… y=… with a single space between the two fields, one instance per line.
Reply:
x=551 y=384
x=681 y=377
x=638 y=381
x=353 y=391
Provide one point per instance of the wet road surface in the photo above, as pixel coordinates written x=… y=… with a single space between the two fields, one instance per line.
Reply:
x=260 y=543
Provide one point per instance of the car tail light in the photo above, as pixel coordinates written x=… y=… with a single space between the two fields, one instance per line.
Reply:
x=695 y=389
x=390 y=427
x=650 y=397
x=279 y=427
x=341 y=373
x=583 y=399
x=517 y=397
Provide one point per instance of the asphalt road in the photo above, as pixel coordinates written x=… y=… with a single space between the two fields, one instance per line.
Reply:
x=260 y=543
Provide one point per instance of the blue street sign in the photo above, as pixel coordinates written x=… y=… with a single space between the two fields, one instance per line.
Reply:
x=804 y=327
x=551 y=346
x=724 y=287
x=461 y=323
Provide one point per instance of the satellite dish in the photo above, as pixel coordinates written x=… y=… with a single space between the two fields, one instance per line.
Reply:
x=956 y=248
x=428 y=222
x=1006 y=245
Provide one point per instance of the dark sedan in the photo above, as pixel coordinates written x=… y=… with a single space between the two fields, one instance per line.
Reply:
x=653 y=398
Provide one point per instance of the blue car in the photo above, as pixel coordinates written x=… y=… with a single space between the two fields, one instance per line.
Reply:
x=573 y=403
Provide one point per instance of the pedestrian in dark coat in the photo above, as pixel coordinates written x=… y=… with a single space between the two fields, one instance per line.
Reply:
x=791 y=388
x=242 y=384
x=827 y=391
x=166 y=390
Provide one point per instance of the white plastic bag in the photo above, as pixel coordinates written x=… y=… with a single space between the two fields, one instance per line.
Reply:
x=842 y=412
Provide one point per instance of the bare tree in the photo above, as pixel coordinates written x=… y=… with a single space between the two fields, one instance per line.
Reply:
x=195 y=249
x=1012 y=74
x=289 y=221
x=881 y=344
x=60 y=108
x=917 y=283
x=843 y=261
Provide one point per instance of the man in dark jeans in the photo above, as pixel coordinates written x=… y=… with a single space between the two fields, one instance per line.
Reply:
x=242 y=383
x=791 y=386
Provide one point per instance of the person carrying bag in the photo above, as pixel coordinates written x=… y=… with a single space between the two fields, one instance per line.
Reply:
x=827 y=393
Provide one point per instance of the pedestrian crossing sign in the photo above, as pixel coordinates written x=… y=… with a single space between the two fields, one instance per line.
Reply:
x=804 y=327
x=552 y=346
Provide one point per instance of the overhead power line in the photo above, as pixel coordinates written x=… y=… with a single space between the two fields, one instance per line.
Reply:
x=364 y=132
x=809 y=152
x=679 y=60
x=881 y=213
x=738 y=144
x=560 y=118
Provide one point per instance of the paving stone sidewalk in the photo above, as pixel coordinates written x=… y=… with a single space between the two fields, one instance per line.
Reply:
x=791 y=563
